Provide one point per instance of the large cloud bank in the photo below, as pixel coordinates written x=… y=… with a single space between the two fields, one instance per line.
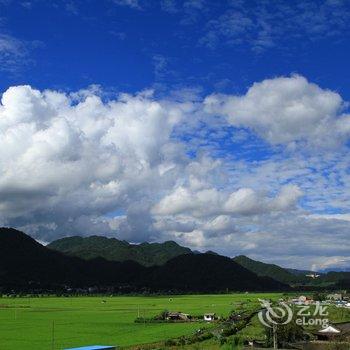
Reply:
x=84 y=163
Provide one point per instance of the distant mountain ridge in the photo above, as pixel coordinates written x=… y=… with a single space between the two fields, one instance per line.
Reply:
x=293 y=277
x=301 y=272
x=27 y=265
x=146 y=254
x=337 y=269
x=270 y=270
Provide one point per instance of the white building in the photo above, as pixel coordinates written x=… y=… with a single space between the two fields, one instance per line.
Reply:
x=209 y=317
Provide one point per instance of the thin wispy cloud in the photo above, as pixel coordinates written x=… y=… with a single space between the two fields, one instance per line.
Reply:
x=169 y=6
x=128 y=3
x=261 y=25
x=13 y=53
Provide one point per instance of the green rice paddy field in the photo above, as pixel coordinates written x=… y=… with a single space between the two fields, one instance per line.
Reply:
x=58 y=323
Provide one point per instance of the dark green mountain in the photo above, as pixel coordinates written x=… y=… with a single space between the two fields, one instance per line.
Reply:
x=270 y=270
x=26 y=265
x=300 y=272
x=294 y=277
x=147 y=254
x=332 y=278
x=206 y=273
x=24 y=262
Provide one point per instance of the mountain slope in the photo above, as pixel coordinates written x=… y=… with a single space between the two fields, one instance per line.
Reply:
x=270 y=270
x=333 y=278
x=292 y=276
x=25 y=263
x=112 y=249
x=209 y=272
x=297 y=272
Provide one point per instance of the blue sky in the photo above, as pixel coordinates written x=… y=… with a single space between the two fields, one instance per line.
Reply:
x=128 y=46
x=221 y=125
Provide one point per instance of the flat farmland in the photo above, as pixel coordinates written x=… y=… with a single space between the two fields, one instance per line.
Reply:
x=62 y=322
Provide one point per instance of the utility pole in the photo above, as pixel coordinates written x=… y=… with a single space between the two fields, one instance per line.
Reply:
x=53 y=336
x=274 y=330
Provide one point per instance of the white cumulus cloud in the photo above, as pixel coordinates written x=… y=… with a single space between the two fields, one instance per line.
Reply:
x=286 y=110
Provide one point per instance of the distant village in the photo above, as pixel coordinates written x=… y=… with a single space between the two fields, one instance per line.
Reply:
x=320 y=336
x=337 y=299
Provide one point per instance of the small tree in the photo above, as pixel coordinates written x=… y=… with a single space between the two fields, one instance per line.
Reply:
x=286 y=333
x=319 y=296
x=162 y=316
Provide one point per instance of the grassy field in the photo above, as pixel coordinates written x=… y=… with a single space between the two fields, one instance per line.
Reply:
x=59 y=323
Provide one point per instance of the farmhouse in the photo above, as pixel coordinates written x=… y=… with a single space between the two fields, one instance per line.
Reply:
x=177 y=316
x=339 y=331
x=209 y=317
x=302 y=300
